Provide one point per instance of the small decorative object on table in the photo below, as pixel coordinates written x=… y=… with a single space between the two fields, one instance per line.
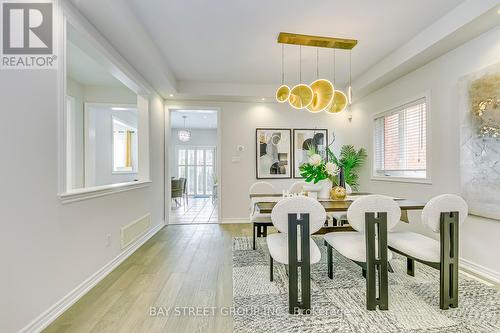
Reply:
x=318 y=171
x=339 y=192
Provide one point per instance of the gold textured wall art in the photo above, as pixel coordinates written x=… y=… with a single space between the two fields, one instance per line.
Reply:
x=480 y=141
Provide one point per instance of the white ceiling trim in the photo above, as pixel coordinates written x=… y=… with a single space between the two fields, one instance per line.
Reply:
x=115 y=20
x=463 y=23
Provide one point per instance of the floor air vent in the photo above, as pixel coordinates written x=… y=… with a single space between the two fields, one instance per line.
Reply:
x=133 y=231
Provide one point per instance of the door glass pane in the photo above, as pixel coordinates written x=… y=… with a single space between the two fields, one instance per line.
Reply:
x=199 y=157
x=199 y=180
x=190 y=154
x=182 y=156
x=209 y=156
x=181 y=172
x=209 y=176
x=191 y=180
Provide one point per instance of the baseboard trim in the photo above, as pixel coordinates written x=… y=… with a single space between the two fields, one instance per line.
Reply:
x=235 y=220
x=47 y=317
x=485 y=272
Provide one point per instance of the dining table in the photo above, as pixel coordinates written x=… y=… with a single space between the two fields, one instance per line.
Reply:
x=268 y=201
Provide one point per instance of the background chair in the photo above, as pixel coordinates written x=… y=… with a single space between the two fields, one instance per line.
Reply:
x=296 y=187
x=288 y=248
x=442 y=215
x=176 y=190
x=184 y=190
x=368 y=246
x=260 y=221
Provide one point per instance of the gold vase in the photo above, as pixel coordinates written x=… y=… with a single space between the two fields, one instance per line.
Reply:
x=338 y=193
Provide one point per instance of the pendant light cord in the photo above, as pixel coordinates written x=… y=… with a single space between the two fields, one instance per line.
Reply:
x=300 y=64
x=282 y=64
x=334 y=67
x=350 y=67
x=317 y=64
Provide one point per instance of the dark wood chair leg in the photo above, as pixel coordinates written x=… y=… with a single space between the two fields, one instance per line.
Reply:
x=410 y=266
x=376 y=268
x=304 y=264
x=329 y=255
x=448 y=279
x=271 y=275
x=253 y=227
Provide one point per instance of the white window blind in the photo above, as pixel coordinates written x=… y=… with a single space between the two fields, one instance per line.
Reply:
x=400 y=142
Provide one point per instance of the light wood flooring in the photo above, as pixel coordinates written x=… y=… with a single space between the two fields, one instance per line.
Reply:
x=181 y=266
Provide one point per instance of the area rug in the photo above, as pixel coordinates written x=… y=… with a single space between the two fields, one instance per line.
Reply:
x=339 y=305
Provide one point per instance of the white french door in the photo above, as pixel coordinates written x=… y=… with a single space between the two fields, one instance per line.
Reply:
x=197 y=165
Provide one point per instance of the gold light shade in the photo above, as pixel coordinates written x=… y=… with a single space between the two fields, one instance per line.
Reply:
x=322 y=95
x=300 y=96
x=338 y=103
x=283 y=93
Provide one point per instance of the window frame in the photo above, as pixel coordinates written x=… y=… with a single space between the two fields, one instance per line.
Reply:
x=186 y=165
x=111 y=60
x=428 y=179
x=114 y=171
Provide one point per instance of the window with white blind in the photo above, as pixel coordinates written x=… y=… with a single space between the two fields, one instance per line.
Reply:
x=400 y=145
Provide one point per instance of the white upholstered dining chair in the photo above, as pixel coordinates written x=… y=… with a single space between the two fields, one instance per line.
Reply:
x=260 y=221
x=297 y=187
x=289 y=246
x=442 y=215
x=372 y=217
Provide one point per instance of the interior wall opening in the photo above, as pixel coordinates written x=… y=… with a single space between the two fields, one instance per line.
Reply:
x=193 y=166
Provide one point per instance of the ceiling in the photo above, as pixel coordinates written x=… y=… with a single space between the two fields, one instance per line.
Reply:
x=196 y=119
x=83 y=68
x=228 y=41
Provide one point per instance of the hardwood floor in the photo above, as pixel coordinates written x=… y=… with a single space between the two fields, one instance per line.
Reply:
x=181 y=266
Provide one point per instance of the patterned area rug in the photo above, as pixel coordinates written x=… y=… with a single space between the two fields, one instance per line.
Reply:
x=339 y=305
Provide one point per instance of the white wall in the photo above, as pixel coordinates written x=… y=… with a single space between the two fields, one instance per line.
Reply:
x=76 y=90
x=479 y=236
x=237 y=126
x=46 y=248
x=199 y=137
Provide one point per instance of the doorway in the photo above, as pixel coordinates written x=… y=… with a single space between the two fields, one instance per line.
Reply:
x=193 y=166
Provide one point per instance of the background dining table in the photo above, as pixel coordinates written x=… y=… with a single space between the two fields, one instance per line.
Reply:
x=266 y=207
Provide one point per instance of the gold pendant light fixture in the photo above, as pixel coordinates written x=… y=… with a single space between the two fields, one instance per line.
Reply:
x=283 y=92
x=301 y=95
x=339 y=101
x=322 y=91
x=321 y=94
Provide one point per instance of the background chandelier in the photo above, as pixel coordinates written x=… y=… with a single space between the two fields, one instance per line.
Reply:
x=184 y=134
x=321 y=94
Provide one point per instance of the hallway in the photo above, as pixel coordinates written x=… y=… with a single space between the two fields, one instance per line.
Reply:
x=197 y=210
